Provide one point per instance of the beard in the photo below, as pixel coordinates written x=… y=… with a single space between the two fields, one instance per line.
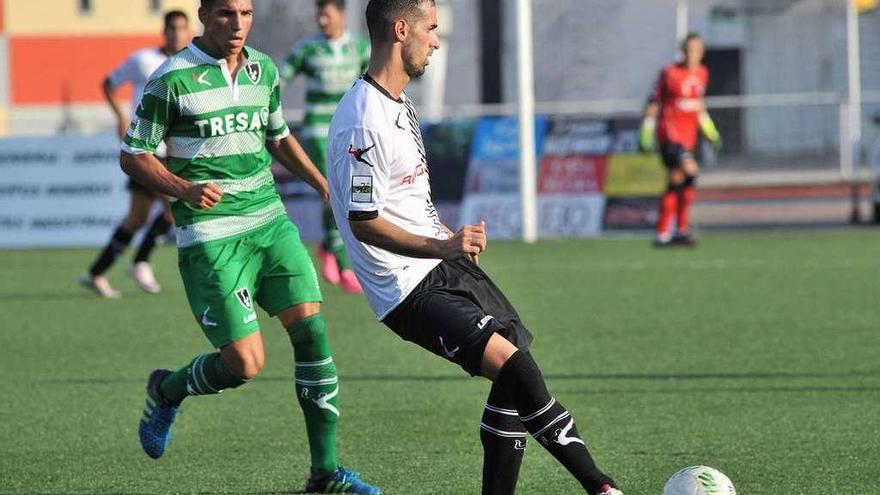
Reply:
x=413 y=70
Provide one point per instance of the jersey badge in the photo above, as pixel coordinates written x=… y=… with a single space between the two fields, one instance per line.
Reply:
x=253 y=71
x=362 y=189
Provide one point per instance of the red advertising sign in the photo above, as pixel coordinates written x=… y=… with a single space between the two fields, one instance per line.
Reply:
x=576 y=174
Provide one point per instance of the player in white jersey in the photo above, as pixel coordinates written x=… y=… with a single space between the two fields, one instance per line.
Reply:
x=421 y=279
x=136 y=70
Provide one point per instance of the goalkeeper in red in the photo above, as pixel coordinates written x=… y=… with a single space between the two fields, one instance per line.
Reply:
x=675 y=113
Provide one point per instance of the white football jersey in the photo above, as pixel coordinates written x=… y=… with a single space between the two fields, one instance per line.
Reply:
x=377 y=167
x=136 y=69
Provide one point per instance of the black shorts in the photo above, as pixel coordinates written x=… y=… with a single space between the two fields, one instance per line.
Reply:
x=454 y=311
x=674 y=154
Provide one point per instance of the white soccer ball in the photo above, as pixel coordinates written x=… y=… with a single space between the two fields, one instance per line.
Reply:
x=699 y=480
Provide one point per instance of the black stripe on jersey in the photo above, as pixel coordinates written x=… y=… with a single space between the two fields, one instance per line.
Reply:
x=416 y=130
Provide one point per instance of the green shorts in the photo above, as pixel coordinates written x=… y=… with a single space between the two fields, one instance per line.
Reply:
x=223 y=279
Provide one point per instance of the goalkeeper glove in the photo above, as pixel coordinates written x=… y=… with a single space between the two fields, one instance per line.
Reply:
x=710 y=131
x=646 y=135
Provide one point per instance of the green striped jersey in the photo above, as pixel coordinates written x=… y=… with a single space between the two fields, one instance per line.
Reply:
x=330 y=68
x=215 y=126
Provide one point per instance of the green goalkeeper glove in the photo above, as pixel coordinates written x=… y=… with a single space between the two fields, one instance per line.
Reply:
x=710 y=131
x=646 y=135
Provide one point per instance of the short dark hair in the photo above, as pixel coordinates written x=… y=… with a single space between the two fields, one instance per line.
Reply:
x=382 y=13
x=693 y=35
x=175 y=14
x=339 y=4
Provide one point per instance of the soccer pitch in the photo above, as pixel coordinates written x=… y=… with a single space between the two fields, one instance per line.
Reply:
x=754 y=353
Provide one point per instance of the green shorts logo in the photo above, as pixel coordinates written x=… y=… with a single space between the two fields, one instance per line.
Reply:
x=244 y=297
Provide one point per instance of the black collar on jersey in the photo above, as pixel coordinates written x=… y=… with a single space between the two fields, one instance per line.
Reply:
x=368 y=78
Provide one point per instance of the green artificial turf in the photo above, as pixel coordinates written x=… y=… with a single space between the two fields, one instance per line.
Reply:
x=758 y=354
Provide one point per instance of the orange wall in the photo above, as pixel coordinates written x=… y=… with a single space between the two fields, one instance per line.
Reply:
x=43 y=69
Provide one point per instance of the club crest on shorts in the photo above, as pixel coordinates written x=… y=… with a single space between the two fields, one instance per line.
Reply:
x=244 y=297
x=253 y=71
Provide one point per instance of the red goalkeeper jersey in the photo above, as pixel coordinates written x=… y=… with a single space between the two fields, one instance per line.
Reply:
x=679 y=93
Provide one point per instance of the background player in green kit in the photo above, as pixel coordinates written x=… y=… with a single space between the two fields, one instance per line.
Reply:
x=216 y=105
x=331 y=61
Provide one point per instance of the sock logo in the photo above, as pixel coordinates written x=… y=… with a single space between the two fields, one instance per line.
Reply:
x=244 y=297
x=519 y=444
x=323 y=402
x=449 y=353
x=562 y=437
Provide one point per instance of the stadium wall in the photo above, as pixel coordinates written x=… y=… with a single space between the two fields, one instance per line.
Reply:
x=56 y=56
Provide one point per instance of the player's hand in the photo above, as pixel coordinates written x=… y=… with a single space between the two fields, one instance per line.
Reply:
x=646 y=138
x=707 y=126
x=203 y=196
x=470 y=241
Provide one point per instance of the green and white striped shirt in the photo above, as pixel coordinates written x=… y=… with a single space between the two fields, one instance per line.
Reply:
x=215 y=126
x=331 y=67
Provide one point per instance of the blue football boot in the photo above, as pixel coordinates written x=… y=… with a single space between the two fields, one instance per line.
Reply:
x=155 y=426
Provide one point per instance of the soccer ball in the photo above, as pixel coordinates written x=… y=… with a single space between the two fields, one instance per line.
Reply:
x=699 y=480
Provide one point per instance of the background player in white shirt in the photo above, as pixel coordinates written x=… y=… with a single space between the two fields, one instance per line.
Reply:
x=421 y=279
x=136 y=70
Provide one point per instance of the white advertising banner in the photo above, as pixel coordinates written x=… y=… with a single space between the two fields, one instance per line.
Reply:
x=559 y=215
x=60 y=191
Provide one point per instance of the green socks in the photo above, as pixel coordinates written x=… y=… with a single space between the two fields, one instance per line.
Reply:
x=317 y=389
x=204 y=375
x=333 y=240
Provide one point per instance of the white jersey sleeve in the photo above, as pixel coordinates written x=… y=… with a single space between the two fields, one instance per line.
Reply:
x=369 y=173
x=129 y=71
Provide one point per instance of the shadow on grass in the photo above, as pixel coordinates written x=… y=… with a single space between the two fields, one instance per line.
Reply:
x=669 y=378
x=46 y=296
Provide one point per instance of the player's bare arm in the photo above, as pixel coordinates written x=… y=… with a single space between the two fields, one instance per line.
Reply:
x=290 y=154
x=111 y=94
x=469 y=240
x=146 y=169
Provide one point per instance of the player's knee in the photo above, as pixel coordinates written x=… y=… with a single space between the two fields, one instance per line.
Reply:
x=246 y=363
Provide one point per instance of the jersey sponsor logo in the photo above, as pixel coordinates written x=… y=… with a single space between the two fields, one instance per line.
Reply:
x=205 y=321
x=411 y=178
x=200 y=78
x=253 y=71
x=244 y=298
x=450 y=353
x=233 y=122
x=362 y=189
x=358 y=154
